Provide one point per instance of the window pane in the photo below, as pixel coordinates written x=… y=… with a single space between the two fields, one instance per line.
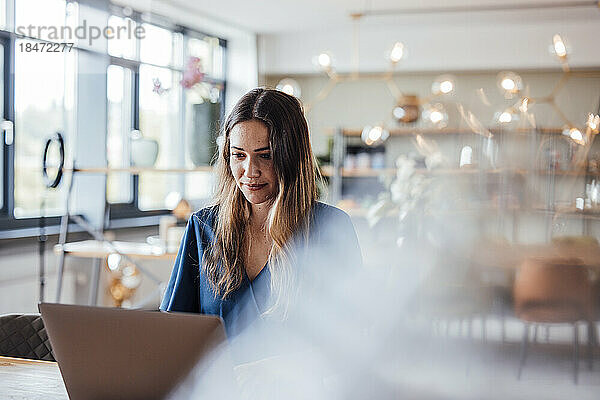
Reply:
x=3 y=14
x=41 y=19
x=157 y=45
x=178 y=50
x=42 y=108
x=160 y=94
x=218 y=53
x=201 y=48
x=122 y=43
x=1 y=136
x=202 y=111
x=119 y=95
x=210 y=52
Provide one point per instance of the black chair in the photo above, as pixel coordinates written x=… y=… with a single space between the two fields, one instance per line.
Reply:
x=24 y=336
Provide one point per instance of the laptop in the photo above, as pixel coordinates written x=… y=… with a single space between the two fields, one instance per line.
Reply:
x=111 y=353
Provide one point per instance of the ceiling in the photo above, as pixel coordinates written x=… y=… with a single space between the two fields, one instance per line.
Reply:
x=284 y=16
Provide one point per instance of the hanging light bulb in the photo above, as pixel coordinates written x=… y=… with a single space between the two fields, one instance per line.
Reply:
x=593 y=122
x=113 y=261
x=289 y=86
x=374 y=135
x=507 y=116
x=509 y=83
x=436 y=115
x=407 y=110
x=560 y=49
x=576 y=135
x=397 y=52
x=323 y=60
x=399 y=112
x=443 y=84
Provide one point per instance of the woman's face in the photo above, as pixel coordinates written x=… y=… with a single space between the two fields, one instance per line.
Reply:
x=251 y=161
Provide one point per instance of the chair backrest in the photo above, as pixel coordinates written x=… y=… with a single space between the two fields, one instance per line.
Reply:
x=24 y=336
x=553 y=282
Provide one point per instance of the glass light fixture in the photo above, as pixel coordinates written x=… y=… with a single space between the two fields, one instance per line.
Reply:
x=507 y=116
x=559 y=47
x=397 y=52
x=443 y=84
x=436 y=115
x=323 y=60
x=593 y=122
x=576 y=135
x=289 y=86
x=510 y=84
x=113 y=261
x=374 y=135
x=399 y=113
x=407 y=110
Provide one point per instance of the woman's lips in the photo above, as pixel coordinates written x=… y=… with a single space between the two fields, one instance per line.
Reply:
x=254 y=186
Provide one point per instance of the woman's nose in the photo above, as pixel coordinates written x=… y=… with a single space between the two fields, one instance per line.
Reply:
x=252 y=169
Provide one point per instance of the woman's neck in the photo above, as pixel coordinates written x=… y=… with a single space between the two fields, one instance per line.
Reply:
x=259 y=214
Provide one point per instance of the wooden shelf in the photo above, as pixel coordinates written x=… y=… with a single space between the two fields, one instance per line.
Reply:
x=327 y=170
x=139 y=170
x=96 y=249
x=446 y=131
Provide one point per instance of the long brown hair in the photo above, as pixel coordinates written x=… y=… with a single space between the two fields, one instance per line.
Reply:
x=295 y=168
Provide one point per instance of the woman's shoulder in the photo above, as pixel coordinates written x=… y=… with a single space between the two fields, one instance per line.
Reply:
x=205 y=216
x=326 y=211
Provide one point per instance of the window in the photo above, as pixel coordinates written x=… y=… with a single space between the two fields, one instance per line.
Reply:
x=2 y=138
x=120 y=124
x=159 y=120
x=143 y=93
x=182 y=121
x=124 y=44
x=43 y=105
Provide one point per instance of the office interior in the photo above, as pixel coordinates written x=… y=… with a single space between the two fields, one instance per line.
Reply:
x=459 y=136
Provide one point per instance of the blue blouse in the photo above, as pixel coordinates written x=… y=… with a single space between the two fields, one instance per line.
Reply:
x=332 y=243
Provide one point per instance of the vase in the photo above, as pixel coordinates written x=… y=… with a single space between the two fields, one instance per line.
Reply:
x=202 y=144
x=144 y=152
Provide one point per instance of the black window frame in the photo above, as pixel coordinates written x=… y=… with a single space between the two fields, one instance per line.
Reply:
x=118 y=214
x=120 y=211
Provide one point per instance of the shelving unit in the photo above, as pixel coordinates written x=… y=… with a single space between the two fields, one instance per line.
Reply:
x=138 y=170
x=530 y=173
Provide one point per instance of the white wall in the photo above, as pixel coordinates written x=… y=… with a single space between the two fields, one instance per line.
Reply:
x=367 y=102
x=461 y=46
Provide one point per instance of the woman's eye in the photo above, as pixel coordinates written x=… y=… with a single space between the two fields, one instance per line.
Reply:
x=266 y=156
x=238 y=155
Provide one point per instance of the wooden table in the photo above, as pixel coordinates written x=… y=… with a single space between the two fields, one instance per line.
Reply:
x=510 y=256
x=31 y=380
x=99 y=251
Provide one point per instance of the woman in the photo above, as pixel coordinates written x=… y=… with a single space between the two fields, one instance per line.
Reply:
x=242 y=258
